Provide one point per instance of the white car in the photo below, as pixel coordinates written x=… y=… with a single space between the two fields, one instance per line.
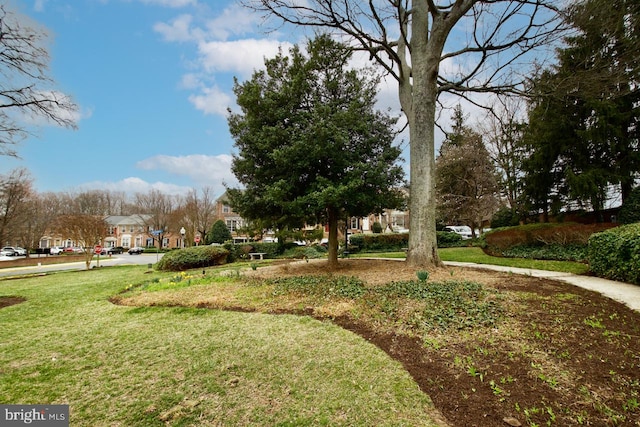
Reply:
x=462 y=230
x=56 y=250
x=13 y=251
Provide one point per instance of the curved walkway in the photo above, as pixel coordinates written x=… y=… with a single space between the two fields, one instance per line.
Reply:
x=625 y=293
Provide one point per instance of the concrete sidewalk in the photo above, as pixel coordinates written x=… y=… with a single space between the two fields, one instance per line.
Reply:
x=625 y=293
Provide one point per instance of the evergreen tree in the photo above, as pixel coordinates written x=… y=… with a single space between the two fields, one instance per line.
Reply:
x=311 y=146
x=583 y=125
x=219 y=233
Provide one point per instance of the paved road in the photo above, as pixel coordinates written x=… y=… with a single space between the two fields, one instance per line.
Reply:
x=121 y=259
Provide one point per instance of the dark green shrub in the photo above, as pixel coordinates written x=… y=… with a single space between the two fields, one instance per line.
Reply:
x=504 y=218
x=219 y=233
x=630 y=210
x=302 y=252
x=379 y=242
x=376 y=228
x=194 y=257
x=447 y=239
x=398 y=242
x=241 y=251
x=572 y=252
x=615 y=254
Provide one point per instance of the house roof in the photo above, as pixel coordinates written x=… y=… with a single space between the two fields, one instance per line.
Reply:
x=138 y=219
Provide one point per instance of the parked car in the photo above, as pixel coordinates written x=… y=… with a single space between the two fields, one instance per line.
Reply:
x=110 y=251
x=56 y=250
x=8 y=251
x=136 y=250
x=75 y=250
x=14 y=251
x=463 y=230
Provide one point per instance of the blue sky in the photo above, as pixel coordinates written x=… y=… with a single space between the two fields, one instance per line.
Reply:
x=153 y=80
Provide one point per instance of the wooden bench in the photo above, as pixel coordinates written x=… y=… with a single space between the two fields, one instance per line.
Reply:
x=257 y=255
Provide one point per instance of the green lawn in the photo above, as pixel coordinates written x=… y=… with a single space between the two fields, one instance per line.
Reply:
x=476 y=255
x=162 y=366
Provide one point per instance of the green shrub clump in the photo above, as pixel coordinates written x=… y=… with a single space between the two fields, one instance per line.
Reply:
x=194 y=257
x=615 y=254
x=554 y=252
x=447 y=239
x=630 y=210
x=398 y=241
x=378 y=242
x=241 y=251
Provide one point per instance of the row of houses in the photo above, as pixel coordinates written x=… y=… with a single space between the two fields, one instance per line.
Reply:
x=133 y=230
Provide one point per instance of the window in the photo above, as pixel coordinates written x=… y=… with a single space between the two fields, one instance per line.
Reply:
x=398 y=221
x=233 y=224
x=226 y=209
x=165 y=242
x=126 y=242
x=354 y=223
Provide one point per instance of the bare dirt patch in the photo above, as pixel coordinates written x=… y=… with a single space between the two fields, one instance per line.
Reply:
x=560 y=356
x=6 y=301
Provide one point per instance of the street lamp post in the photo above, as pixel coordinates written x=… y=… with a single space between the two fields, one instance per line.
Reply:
x=182 y=233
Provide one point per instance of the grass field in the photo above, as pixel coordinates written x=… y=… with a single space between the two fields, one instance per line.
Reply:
x=476 y=255
x=160 y=366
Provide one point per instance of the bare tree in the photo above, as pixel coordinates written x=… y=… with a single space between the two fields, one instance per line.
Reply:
x=85 y=230
x=15 y=189
x=410 y=39
x=158 y=209
x=97 y=202
x=502 y=130
x=41 y=211
x=25 y=88
x=198 y=213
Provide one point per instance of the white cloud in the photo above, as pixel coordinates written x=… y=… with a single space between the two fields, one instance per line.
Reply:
x=212 y=171
x=171 y=3
x=234 y=20
x=242 y=56
x=190 y=81
x=212 y=101
x=179 y=30
x=203 y=170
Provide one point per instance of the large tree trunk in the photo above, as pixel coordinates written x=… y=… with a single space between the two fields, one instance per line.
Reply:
x=333 y=238
x=421 y=113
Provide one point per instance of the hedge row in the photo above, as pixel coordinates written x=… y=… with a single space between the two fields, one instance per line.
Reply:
x=615 y=254
x=194 y=257
x=543 y=234
x=396 y=242
x=378 y=242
